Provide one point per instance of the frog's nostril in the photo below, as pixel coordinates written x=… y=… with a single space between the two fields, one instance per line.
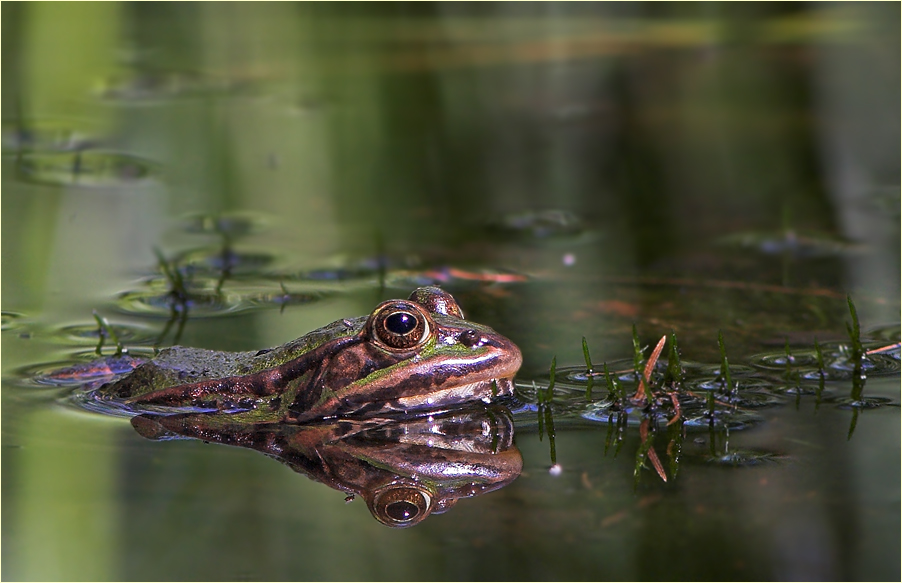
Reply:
x=470 y=338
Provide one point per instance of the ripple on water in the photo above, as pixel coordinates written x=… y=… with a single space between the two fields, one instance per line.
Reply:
x=694 y=418
x=745 y=458
x=891 y=333
x=204 y=301
x=84 y=368
x=12 y=321
x=837 y=365
x=234 y=225
x=218 y=260
x=90 y=333
x=45 y=134
x=87 y=168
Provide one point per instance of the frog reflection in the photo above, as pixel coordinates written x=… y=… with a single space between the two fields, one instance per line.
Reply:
x=405 y=469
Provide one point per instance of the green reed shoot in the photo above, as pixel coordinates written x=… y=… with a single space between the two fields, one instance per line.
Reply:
x=589 y=368
x=105 y=330
x=857 y=355
x=615 y=391
x=638 y=357
x=549 y=427
x=674 y=373
x=820 y=367
x=590 y=380
x=173 y=276
x=549 y=391
x=854 y=330
x=820 y=357
x=724 y=364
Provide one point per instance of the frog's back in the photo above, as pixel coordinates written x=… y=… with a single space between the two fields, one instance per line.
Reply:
x=181 y=365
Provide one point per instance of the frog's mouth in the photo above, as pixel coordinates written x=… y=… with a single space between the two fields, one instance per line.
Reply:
x=479 y=390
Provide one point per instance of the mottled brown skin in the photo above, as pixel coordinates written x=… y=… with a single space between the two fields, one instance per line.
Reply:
x=351 y=367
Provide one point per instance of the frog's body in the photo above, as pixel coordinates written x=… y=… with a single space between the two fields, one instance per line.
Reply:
x=407 y=355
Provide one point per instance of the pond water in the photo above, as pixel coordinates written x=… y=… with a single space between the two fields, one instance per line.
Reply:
x=232 y=176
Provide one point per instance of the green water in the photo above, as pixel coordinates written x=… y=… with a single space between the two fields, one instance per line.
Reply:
x=715 y=167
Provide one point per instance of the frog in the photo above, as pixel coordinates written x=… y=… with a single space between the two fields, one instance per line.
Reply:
x=404 y=469
x=406 y=356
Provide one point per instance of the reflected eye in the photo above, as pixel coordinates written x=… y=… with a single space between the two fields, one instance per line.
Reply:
x=399 y=325
x=401 y=506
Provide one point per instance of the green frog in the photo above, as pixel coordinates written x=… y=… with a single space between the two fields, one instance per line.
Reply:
x=407 y=355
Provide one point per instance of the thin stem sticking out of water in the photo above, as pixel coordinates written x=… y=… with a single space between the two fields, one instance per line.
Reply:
x=856 y=356
x=614 y=389
x=724 y=363
x=104 y=330
x=589 y=370
x=674 y=367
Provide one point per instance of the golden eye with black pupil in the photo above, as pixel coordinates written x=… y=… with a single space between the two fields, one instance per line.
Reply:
x=402 y=506
x=399 y=325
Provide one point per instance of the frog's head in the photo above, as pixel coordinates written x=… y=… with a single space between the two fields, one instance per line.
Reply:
x=413 y=354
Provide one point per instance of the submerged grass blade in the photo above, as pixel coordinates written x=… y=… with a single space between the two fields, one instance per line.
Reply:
x=853 y=423
x=549 y=391
x=549 y=428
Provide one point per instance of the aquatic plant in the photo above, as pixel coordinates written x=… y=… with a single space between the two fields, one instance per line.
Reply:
x=104 y=330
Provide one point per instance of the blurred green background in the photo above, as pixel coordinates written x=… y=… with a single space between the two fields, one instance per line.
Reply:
x=346 y=131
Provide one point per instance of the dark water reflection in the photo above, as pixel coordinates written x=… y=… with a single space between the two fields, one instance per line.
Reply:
x=565 y=170
x=405 y=470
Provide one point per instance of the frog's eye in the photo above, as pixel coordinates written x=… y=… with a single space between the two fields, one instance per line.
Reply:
x=399 y=325
x=401 y=506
